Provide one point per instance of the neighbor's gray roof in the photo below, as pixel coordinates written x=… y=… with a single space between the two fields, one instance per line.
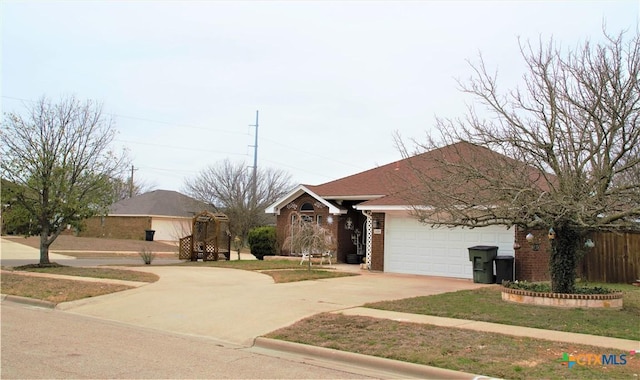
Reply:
x=159 y=202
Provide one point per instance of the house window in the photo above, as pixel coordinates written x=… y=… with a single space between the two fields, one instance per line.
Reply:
x=306 y=207
x=305 y=218
x=319 y=219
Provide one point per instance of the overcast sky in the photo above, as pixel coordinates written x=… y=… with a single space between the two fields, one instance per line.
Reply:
x=332 y=80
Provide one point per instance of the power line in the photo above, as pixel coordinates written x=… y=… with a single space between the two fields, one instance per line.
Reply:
x=167 y=170
x=152 y=120
x=289 y=147
x=178 y=124
x=192 y=149
x=306 y=170
x=312 y=153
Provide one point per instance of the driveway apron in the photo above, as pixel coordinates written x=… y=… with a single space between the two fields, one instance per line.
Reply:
x=236 y=306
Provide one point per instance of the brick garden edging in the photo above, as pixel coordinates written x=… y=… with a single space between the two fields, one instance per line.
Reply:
x=611 y=301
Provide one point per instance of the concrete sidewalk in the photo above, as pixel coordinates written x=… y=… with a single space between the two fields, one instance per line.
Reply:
x=10 y=250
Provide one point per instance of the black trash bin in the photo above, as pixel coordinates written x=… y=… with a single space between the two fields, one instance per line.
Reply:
x=504 y=268
x=353 y=258
x=481 y=257
x=149 y=235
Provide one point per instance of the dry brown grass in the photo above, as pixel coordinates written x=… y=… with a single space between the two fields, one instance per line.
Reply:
x=462 y=350
x=109 y=273
x=53 y=289
x=282 y=276
x=258 y=265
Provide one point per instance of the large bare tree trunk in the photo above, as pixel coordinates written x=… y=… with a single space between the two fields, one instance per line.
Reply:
x=563 y=260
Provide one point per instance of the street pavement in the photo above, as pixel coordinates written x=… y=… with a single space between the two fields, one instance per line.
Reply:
x=42 y=343
x=237 y=307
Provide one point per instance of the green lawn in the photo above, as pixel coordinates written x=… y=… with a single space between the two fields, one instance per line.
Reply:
x=486 y=305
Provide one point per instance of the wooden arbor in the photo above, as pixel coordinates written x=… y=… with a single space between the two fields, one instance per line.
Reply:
x=210 y=238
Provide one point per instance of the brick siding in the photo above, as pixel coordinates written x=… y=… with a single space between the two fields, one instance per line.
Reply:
x=377 y=243
x=283 y=223
x=116 y=227
x=532 y=265
x=338 y=229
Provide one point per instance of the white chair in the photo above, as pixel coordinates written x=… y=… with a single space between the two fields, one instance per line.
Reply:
x=326 y=255
x=305 y=256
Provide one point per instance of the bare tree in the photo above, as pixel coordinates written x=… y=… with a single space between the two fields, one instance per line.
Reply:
x=59 y=159
x=307 y=237
x=568 y=141
x=123 y=188
x=229 y=187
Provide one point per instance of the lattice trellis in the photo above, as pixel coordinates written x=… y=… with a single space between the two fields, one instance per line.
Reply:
x=368 y=245
x=185 y=248
x=210 y=239
x=210 y=252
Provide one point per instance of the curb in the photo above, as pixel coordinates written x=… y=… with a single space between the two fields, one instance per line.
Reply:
x=28 y=301
x=402 y=369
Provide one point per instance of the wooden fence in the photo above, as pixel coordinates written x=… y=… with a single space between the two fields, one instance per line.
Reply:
x=614 y=259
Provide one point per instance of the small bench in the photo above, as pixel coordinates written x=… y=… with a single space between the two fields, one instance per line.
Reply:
x=323 y=256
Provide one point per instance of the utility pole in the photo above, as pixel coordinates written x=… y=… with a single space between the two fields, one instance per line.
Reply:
x=254 y=178
x=131 y=183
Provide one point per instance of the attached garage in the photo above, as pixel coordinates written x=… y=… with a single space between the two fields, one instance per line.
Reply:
x=373 y=221
x=414 y=248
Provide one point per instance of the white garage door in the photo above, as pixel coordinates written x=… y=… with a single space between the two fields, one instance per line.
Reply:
x=414 y=248
x=169 y=229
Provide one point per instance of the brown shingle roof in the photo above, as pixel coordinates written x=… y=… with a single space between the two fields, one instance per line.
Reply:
x=388 y=185
x=159 y=202
x=387 y=179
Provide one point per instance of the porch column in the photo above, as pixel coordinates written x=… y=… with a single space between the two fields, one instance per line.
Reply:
x=369 y=232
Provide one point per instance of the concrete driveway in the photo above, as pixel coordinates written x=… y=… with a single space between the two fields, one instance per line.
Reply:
x=236 y=306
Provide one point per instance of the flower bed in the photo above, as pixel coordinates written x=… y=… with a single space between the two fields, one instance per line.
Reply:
x=610 y=300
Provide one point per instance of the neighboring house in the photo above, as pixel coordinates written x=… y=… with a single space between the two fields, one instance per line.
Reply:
x=168 y=213
x=371 y=222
